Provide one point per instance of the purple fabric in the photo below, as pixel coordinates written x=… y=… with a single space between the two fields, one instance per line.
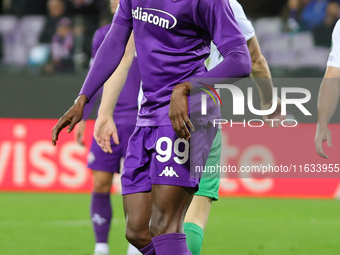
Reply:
x=145 y=164
x=127 y=104
x=173 y=40
x=148 y=250
x=101 y=214
x=99 y=160
x=232 y=58
x=91 y=104
x=142 y=168
x=171 y=244
x=236 y=63
x=98 y=38
x=107 y=59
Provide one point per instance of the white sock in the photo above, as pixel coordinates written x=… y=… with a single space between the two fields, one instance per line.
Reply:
x=132 y=250
x=102 y=247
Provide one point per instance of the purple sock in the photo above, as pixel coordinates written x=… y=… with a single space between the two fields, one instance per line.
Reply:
x=101 y=214
x=148 y=250
x=171 y=244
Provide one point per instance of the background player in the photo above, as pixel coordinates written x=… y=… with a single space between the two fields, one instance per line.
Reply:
x=161 y=47
x=329 y=94
x=104 y=165
x=198 y=213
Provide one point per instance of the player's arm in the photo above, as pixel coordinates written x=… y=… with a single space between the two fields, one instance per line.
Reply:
x=213 y=16
x=261 y=75
x=80 y=128
x=236 y=64
x=105 y=127
x=260 y=69
x=97 y=40
x=327 y=103
x=106 y=61
x=329 y=94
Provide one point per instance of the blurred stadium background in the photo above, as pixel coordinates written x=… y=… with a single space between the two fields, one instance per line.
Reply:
x=45 y=48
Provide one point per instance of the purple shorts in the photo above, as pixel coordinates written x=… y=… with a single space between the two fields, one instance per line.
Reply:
x=99 y=160
x=155 y=155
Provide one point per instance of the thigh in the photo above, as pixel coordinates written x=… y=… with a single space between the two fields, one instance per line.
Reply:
x=169 y=205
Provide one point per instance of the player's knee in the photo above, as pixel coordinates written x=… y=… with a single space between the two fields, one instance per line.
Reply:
x=102 y=186
x=139 y=239
x=160 y=225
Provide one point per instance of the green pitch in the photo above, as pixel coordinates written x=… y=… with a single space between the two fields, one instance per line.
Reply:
x=58 y=224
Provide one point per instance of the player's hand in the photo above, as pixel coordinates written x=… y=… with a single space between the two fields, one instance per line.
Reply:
x=104 y=129
x=178 y=111
x=276 y=115
x=70 y=118
x=322 y=134
x=80 y=132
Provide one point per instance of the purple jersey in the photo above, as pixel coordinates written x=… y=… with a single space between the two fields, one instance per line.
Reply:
x=173 y=39
x=127 y=104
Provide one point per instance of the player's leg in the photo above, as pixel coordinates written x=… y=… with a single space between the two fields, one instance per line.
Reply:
x=197 y=215
x=101 y=210
x=105 y=165
x=174 y=185
x=169 y=205
x=136 y=190
x=195 y=222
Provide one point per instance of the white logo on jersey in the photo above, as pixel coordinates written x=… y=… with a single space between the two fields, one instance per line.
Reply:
x=169 y=172
x=98 y=219
x=150 y=15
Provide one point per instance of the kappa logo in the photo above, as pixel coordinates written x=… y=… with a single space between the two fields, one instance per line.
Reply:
x=154 y=16
x=98 y=219
x=169 y=172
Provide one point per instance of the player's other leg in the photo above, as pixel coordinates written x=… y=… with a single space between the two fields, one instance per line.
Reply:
x=105 y=165
x=197 y=215
x=170 y=203
x=136 y=191
x=101 y=210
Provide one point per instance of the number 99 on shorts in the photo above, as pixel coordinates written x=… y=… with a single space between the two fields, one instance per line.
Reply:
x=166 y=148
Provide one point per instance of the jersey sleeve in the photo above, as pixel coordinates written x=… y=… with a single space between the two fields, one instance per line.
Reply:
x=217 y=18
x=124 y=14
x=88 y=108
x=96 y=42
x=247 y=28
x=334 y=56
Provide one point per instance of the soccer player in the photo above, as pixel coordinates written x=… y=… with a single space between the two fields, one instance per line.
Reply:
x=197 y=215
x=172 y=41
x=329 y=94
x=104 y=165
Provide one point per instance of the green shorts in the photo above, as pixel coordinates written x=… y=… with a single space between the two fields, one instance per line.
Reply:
x=210 y=182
